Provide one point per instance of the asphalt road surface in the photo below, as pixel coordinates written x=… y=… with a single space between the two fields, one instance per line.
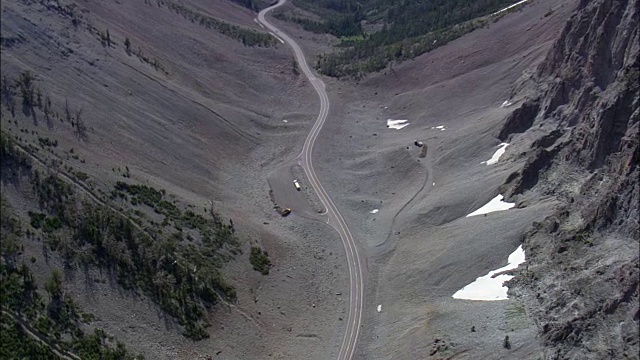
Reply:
x=336 y=220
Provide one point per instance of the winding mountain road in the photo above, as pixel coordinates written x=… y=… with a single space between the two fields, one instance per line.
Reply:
x=336 y=220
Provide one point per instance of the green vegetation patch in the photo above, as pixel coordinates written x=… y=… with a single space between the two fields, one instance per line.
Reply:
x=213 y=231
x=82 y=176
x=42 y=221
x=141 y=193
x=181 y=276
x=26 y=314
x=183 y=280
x=247 y=36
x=337 y=25
x=398 y=30
x=37 y=219
x=13 y=159
x=260 y=260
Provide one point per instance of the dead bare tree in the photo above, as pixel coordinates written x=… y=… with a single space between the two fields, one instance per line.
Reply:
x=67 y=111
x=393 y=71
x=39 y=98
x=7 y=95
x=81 y=128
x=47 y=112
x=27 y=89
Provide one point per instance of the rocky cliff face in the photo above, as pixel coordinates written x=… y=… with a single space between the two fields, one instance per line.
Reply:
x=580 y=283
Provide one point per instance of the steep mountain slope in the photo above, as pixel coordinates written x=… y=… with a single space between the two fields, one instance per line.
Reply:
x=408 y=211
x=140 y=119
x=171 y=79
x=581 y=280
x=564 y=96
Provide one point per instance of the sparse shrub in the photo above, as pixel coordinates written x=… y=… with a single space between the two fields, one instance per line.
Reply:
x=53 y=286
x=105 y=38
x=195 y=332
x=585 y=237
x=81 y=175
x=36 y=219
x=260 y=260
x=506 y=343
x=127 y=46
x=47 y=142
x=51 y=224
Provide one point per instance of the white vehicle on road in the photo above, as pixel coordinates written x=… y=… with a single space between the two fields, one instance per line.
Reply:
x=296 y=184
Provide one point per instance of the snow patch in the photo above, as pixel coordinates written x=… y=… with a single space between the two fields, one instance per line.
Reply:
x=510 y=6
x=488 y=287
x=397 y=124
x=496 y=204
x=506 y=103
x=439 y=127
x=285 y=121
x=374 y=211
x=496 y=155
x=379 y=308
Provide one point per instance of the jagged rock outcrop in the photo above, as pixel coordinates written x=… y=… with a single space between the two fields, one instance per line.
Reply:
x=581 y=280
x=520 y=119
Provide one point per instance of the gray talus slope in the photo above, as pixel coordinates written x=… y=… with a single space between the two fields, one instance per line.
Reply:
x=422 y=247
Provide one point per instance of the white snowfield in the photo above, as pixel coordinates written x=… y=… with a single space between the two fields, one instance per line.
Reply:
x=496 y=204
x=397 y=124
x=439 y=127
x=489 y=288
x=379 y=308
x=374 y=211
x=496 y=155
